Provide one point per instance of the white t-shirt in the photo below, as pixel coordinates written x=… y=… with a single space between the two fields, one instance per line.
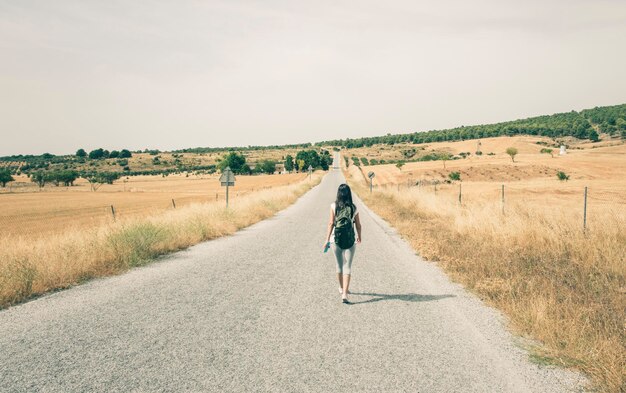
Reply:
x=332 y=209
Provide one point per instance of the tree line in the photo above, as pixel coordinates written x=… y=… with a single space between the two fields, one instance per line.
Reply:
x=317 y=160
x=580 y=125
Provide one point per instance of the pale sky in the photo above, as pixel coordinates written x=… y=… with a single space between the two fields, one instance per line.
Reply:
x=176 y=74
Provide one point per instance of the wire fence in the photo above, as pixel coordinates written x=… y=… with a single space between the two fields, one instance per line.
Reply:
x=42 y=218
x=589 y=205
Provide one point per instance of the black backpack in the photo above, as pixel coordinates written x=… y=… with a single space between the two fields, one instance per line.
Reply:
x=344 y=230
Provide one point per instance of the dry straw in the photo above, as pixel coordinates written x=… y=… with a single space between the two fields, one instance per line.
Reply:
x=31 y=267
x=558 y=285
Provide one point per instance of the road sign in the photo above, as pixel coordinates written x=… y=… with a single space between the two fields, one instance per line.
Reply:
x=371 y=175
x=227 y=176
x=227 y=179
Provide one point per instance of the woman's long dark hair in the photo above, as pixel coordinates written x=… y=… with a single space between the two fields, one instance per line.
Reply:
x=344 y=197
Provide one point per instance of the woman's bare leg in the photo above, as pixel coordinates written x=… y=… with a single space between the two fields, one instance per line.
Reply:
x=346 y=285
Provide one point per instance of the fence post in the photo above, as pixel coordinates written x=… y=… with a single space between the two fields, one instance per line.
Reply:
x=173 y=203
x=503 y=199
x=585 y=212
x=216 y=196
x=113 y=212
x=460 y=203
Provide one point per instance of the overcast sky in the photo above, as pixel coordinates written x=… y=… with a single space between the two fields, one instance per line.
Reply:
x=175 y=74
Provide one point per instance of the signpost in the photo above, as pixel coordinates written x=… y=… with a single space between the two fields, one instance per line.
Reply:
x=310 y=171
x=227 y=179
x=371 y=176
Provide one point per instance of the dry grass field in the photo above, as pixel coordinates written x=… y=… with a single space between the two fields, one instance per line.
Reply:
x=27 y=211
x=31 y=265
x=559 y=285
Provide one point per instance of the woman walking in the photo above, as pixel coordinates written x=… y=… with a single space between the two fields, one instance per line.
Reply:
x=343 y=218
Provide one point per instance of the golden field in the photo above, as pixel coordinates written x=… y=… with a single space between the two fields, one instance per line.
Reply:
x=559 y=285
x=27 y=211
x=31 y=266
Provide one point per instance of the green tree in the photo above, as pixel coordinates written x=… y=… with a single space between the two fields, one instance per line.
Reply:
x=99 y=178
x=562 y=176
x=511 y=151
x=125 y=153
x=5 y=177
x=301 y=164
x=96 y=154
x=267 y=166
x=593 y=135
x=233 y=160
x=81 y=153
x=69 y=177
x=310 y=157
x=39 y=177
x=400 y=164
x=289 y=164
x=114 y=154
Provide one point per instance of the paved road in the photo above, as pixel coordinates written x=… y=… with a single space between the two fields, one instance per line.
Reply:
x=260 y=311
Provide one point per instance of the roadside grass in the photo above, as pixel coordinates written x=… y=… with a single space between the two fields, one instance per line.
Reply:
x=32 y=267
x=556 y=284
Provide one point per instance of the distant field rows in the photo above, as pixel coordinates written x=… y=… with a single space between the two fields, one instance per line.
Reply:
x=39 y=213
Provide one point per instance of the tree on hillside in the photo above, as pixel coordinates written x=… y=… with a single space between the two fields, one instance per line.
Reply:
x=81 y=153
x=593 y=135
x=125 y=153
x=114 y=154
x=444 y=157
x=96 y=154
x=289 y=163
x=512 y=152
x=235 y=161
x=5 y=177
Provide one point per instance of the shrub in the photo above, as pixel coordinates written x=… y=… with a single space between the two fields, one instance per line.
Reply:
x=455 y=176
x=562 y=176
